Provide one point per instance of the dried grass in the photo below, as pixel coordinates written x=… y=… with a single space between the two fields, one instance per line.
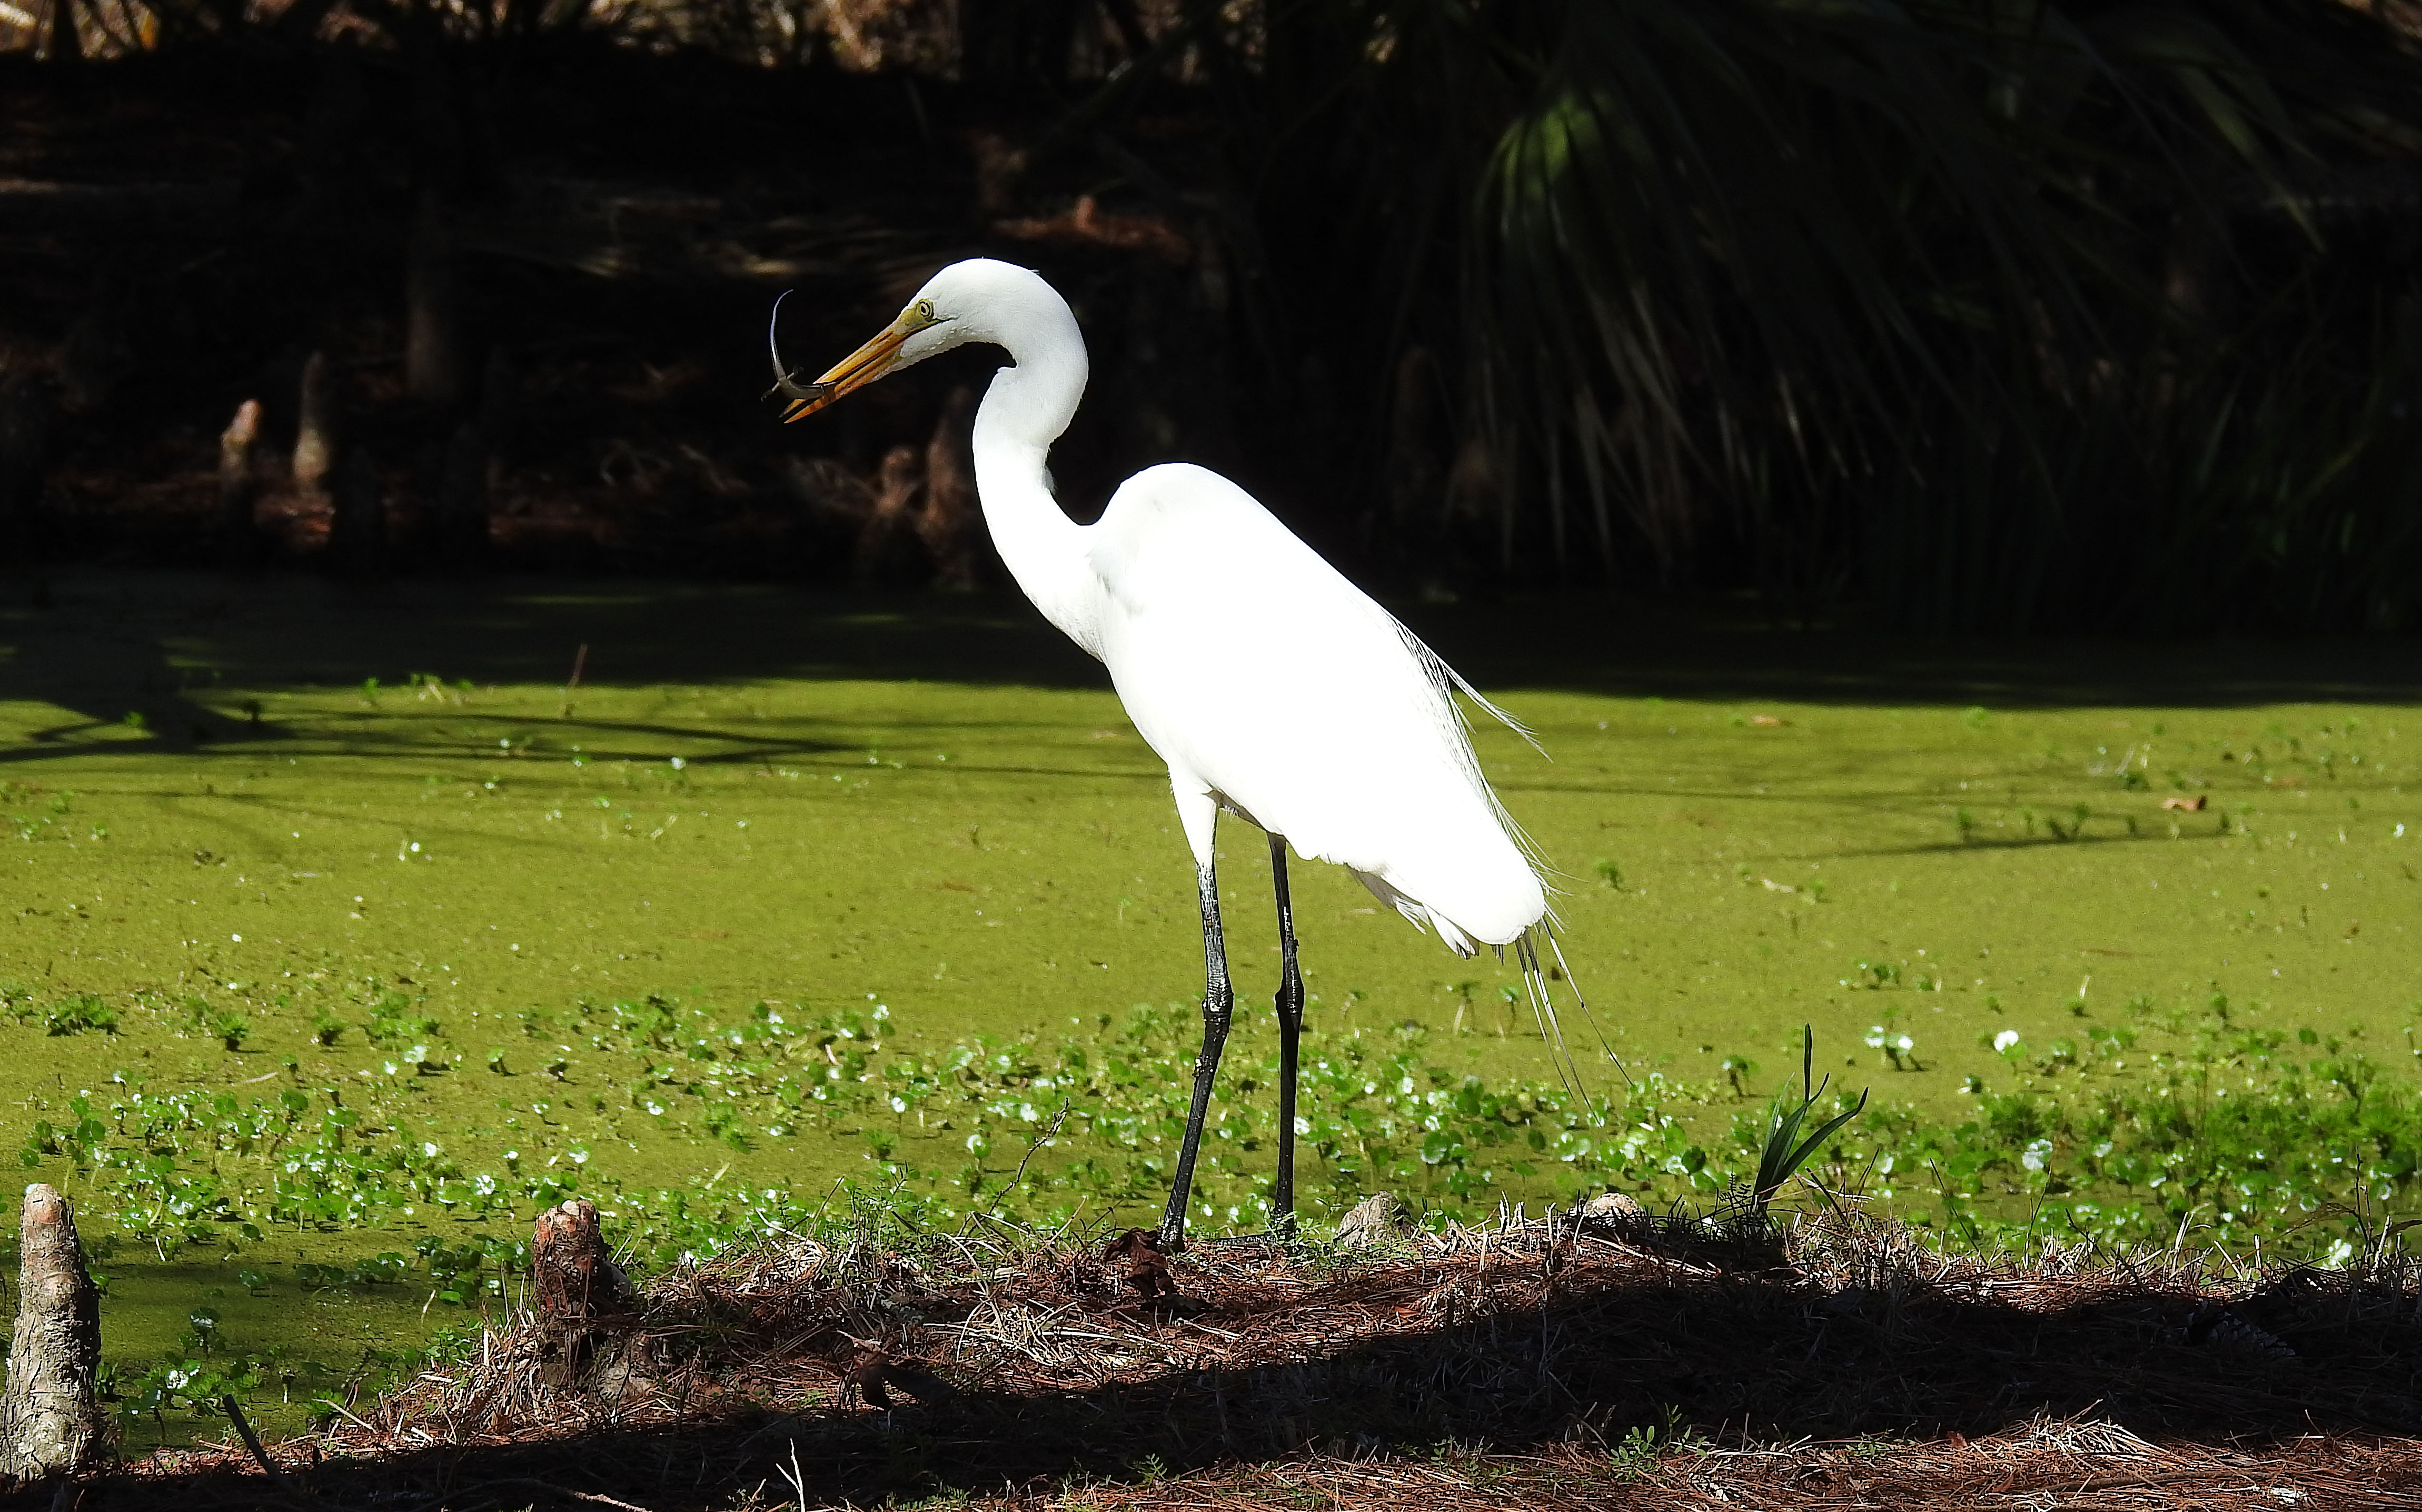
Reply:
x=1541 y=1364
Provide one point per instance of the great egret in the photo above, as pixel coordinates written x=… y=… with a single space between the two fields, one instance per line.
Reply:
x=1273 y=688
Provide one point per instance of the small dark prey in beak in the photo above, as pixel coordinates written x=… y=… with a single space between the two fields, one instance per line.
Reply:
x=786 y=383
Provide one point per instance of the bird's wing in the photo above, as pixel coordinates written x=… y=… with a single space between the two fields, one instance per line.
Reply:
x=1257 y=669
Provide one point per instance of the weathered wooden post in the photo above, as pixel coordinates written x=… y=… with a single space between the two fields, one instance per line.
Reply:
x=238 y=486
x=50 y=1413
x=576 y=1287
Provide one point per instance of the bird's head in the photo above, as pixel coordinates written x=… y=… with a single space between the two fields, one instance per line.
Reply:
x=978 y=300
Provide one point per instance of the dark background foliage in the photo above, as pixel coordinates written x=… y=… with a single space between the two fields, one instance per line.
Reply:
x=1956 y=315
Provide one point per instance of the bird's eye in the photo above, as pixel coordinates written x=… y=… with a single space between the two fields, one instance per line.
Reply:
x=926 y=310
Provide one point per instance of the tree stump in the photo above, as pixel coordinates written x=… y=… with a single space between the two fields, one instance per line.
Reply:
x=463 y=500
x=50 y=1417
x=95 y=355
x=887 y=542
x=24 y=457
x=432 y=368
x=315 y=428
x=580 y=1294
x=357 y=523
x=437 y=155
x=500 y=389
x=952 y=523
x=333 y=125
x=238 y=542
x=499 y=399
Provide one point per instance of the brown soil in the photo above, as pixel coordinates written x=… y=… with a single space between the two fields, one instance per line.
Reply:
x=1521 y=1363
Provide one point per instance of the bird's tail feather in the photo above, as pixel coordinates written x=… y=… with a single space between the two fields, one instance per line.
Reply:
x=1556 y=947
x=1543 y=1009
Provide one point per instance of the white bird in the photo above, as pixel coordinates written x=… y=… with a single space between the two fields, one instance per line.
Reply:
x=1272 y=686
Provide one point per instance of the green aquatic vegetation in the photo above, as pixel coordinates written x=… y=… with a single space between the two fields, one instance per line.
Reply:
x=229 y=1026
x=1737 y=1069
x=59 y=1014
x=191 y=1386
x=1784 y=1150
x=2218 y=1133
x=2221 y=1125
x=184 y=1167
x=2236 y=1131
x=193 y=1167
x=878 y=926
x=79 y=1012
x=395 y=1020
x=76 y=1143
x=1898 y=1045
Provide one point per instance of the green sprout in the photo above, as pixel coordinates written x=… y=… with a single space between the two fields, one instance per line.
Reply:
x=1786 y=1150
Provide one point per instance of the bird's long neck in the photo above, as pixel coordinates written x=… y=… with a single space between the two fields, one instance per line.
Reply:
x=1025 y=410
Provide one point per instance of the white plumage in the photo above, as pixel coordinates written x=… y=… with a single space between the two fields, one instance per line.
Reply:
x=1276 y=688
x=1271 y=685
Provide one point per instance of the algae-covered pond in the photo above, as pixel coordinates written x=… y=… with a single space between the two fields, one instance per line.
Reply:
x=341 y=930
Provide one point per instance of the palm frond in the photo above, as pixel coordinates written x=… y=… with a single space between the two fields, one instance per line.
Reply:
x=1911 y=296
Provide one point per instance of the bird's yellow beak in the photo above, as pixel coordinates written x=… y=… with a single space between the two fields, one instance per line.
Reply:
x=853 y=372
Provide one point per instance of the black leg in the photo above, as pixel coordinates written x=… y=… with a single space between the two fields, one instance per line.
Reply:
x=1218 y=1007
x=1290 y=1006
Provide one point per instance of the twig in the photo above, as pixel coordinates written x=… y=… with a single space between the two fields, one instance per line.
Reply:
x=572 y=687
x=252 y=1441
x=1042 y=1137
x=790 y=1472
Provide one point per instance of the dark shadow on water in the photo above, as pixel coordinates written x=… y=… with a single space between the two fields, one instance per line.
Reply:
x=106 y=643
x=152 y=661
x=1584 y=645
x=153 y=643
x=1511 y=1363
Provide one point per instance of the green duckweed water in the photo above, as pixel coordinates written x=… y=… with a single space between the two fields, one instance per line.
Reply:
x=339 y=927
